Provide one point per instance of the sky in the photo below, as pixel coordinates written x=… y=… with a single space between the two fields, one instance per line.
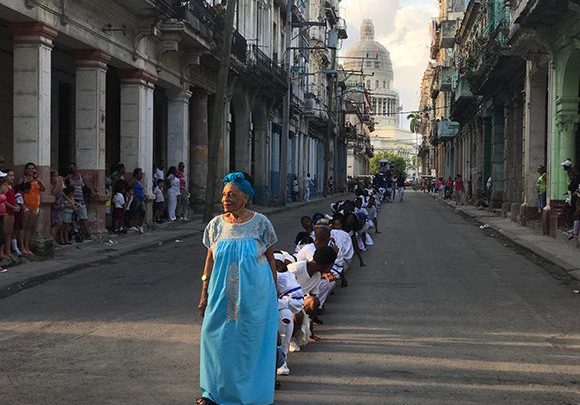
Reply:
x=403 y=27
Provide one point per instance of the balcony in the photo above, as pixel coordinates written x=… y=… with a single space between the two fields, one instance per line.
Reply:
x=239 y=47
x=446 y=78
x=331 y=7
x=200 y=16
x=492 y=59
x=341 y=28
x=447 y=33
x=269 y=69
x=447 y=129
x=312 y=106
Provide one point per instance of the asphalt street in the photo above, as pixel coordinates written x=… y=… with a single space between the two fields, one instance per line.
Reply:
x=444 y=313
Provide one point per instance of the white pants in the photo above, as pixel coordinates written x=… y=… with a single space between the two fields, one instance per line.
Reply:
x=325 y=288
x=285 y=328
x=171 y=205
x=306 y=193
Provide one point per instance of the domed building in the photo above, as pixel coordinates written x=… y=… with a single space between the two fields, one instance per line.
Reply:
x=378 y=71
x=374 y=60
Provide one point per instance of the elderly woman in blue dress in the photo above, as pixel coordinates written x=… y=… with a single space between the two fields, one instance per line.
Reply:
x=238 y=303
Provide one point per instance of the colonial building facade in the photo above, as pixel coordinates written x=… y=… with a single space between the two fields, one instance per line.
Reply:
x=511 y=101
x=99 y=83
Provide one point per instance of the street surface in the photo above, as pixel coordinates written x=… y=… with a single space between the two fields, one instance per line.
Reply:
x=444 y=313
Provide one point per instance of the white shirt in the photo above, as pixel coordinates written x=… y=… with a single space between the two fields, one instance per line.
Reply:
x=159 y=197
x=372 y=212
x=174 y=189
x=158 y=175
x=345 y=250
x=290 y=294
x=310 y=285
x=306 y=254
x=344 y=243
x=118 y=200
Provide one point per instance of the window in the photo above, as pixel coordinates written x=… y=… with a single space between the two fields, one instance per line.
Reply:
x=377 y=65
x=368 y=84
x=384 y=84
x=377 y=84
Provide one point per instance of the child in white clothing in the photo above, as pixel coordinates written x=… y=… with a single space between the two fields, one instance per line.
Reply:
x=159 y=203
x=118 y=203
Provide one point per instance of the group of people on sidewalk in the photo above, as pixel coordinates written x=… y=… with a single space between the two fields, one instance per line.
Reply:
x=260 y=302
x=455 y=189
x=451 y=189
x=20 y=200
x=19 y=209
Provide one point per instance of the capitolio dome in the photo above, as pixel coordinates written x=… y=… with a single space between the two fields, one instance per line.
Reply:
x=379 y=59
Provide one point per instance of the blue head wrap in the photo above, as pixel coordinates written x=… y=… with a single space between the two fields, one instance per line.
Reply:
x=239 y=180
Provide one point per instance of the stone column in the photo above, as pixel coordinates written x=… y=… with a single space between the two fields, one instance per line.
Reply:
x=137 y=87
x=199 y=143
x=261 y=146
x=497 y=155
x=508 y=156
x=32 y=94
x=534 y=138
x=90 y=128
x=178 y=129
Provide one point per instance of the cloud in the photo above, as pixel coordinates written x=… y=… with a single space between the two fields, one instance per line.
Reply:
x=403 y=27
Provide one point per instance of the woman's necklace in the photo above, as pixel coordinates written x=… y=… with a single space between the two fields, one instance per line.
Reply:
x=239 y=217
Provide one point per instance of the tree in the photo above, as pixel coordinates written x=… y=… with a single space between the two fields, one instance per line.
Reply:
x=396 y=160
x=217 y=123
x=414 y=122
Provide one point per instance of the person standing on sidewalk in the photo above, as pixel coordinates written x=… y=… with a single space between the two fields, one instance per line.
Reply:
x=31 y=186
x=56 y=189
x=574 y=190
x=137 y=208
x=307 y=186
x=12 y=208
x=173 y=192
x=459 y=187
x=81 y=194
x=183 y=199
x=541 y=186
x=401 y=186
x=295 y=189
x=3 y=190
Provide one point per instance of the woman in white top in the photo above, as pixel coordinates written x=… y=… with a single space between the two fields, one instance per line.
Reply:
x=172 y=192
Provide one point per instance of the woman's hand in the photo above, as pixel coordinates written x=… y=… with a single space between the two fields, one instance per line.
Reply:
x=202 y=304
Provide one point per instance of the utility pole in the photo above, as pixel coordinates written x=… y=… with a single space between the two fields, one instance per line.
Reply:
x=329 y=129
x=283 y=192
x=217 y=127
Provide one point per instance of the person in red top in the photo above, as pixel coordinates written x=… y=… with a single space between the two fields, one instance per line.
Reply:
x=12 y=208
x=459 y=189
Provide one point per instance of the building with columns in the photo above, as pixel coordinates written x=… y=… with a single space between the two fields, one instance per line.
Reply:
x=374 y=61
x=514 y=103
x=99 y=83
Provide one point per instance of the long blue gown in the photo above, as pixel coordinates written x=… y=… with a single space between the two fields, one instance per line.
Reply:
x=239 y=329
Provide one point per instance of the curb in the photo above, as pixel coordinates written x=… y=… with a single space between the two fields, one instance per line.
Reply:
x=571 y=270
x=17 y=286
x=29 y=282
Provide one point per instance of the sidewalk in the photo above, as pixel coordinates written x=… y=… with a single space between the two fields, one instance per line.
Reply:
x=71 y=258
x=556 y=251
